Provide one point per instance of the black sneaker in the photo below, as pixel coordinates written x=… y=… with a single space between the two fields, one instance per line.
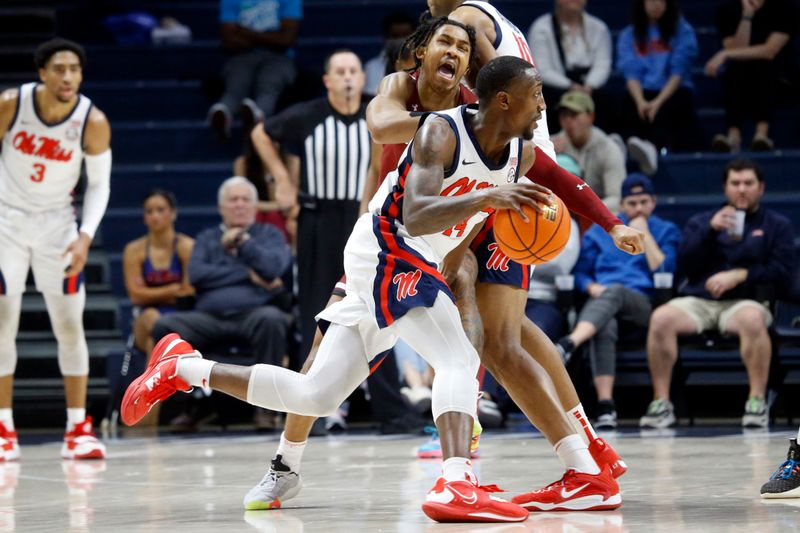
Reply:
x=606 y=415
x=785 y=481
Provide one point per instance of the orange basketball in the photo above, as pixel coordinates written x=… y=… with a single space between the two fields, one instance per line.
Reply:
x=537 y=241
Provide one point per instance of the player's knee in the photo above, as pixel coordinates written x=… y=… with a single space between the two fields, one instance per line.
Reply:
x=322 y=403
x=68 y=331
x=498 y=353
x=74 y=360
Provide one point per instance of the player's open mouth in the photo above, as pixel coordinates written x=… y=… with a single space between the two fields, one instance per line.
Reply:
x=447 y=70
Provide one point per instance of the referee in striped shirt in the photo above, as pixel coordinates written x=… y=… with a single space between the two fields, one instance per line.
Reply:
x=337 y=159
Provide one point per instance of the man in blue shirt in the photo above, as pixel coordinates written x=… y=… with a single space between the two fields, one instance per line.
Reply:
x=726 y=255
x=258 y=35
x=619 y=286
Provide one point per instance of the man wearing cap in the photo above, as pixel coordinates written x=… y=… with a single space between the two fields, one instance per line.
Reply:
x=600 y=158
x=619 y=286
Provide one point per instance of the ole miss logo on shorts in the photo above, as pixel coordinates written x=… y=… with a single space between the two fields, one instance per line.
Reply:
x=406 y=283
x=498 y=260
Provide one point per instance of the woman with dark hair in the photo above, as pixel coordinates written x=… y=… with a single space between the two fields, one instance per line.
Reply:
x=155 y=266
x=656 y=54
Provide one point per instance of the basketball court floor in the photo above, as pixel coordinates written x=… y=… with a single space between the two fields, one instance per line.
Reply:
x=690 y=480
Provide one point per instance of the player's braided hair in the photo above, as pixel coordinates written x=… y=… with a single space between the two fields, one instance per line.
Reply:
x=427 y=28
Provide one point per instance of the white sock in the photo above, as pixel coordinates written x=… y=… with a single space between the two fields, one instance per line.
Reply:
x=579 y=420
x=458 y=469
x=196 y=371
x=291 y=452
x=574 y=455
x=12 y=425
x=75 y=415
x=7 y=418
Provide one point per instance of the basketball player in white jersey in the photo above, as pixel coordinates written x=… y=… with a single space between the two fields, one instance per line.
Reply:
x=48 y=129
x=394 y=289
x=508 y=334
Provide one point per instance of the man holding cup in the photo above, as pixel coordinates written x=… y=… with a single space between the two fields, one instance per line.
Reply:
x=726 y=264
x=619 y=286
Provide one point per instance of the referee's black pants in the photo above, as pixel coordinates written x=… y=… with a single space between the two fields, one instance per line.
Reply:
x=322 y=232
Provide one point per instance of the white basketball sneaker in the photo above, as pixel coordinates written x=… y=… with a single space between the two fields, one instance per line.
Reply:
x=279 y=484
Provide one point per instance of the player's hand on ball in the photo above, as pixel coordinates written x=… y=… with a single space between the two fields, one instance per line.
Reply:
x=515 y=196
x=627 y=239
x=79 y=251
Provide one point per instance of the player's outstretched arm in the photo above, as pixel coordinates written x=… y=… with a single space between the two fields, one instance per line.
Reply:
x=578 y=197
x=388 y=120
x=426 y=212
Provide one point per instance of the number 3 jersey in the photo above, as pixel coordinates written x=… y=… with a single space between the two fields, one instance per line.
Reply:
x=40 y=163
x=470 y=171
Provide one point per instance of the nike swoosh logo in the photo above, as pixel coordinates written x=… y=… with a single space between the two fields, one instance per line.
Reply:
x=570 y=493
x=465 y=162
x=472 y=500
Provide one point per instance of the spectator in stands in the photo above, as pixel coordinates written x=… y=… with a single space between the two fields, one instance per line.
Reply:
x=257 y=35
x=619 y=286
x=155 y=267
x=396 y=26
x=726 y=255
x=753 y=59
x=328 y=191
x=542 y=307
x=656 y=54
x=573 y=52
x=236 y=270
x=597 y=155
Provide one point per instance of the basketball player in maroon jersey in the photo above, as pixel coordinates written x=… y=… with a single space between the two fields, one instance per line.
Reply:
x=508 y=333
x=48 y=130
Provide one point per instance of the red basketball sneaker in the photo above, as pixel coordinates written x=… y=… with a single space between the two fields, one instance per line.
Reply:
x=81 y=442
x=575 y=492
x=9 y=447
x=604 y=454
x=160 y=379
x=465 y=501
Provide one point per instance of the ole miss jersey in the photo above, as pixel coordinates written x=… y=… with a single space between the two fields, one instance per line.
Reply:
x=41 y=163
x=470 y=170
x=509 y=41
x=392 y=152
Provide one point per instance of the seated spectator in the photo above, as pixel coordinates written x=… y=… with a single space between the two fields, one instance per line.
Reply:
x=257 y=35
x=396 y=26
x=619 y=286
x=155 y=267
x=542 y=308
x=726 y=255
x=656 y=54
x=235 y=268
x=753 y=56
x=597 y=155
x=573 y=52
